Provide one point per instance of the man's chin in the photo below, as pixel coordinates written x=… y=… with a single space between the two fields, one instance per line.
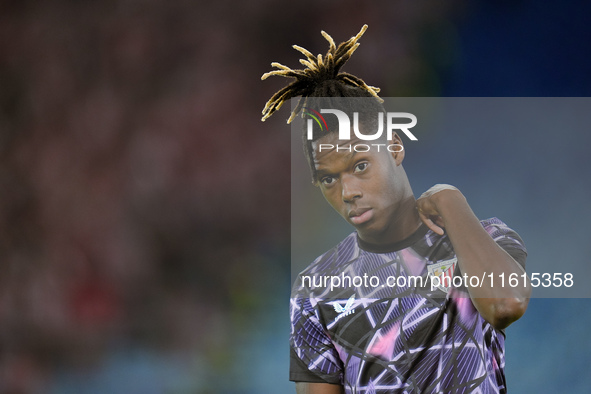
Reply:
x=368 y=230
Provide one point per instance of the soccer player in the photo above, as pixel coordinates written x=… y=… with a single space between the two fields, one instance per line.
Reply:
x=413 y=327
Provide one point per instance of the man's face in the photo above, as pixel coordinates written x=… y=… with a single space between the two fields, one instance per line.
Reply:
x=366 y=188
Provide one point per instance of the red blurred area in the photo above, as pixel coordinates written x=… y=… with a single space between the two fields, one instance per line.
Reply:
x=140 y=195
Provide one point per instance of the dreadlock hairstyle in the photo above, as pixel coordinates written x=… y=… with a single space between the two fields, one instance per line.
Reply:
x=322 y=81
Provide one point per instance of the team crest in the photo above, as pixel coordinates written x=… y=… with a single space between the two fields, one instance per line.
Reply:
x=444 y=270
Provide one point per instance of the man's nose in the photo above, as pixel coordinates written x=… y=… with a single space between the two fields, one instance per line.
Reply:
x=351 y=188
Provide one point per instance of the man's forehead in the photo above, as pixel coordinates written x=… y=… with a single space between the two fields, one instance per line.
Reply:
x=332 y=139
x=332 y=155
x=330 y=146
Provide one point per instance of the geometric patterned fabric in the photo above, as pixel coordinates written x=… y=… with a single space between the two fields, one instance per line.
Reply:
x=386 y=329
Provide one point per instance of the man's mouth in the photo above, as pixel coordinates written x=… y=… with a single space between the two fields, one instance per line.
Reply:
x=361 y=215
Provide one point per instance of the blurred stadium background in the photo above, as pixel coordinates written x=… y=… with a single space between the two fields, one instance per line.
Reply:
x=144 y=231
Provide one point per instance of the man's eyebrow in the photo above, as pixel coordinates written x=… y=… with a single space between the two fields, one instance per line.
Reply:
x=349 y=156
x=322 y=172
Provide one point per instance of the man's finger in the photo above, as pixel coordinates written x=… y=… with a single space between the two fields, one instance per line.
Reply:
x=429 y=223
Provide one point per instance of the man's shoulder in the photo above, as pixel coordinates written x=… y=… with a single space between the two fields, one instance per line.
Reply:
x=501 y=232
x=493 y=221
x=507 y=238
x=494 y=224
x=335 y=258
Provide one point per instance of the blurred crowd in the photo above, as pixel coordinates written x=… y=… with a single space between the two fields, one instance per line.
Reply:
x=144 y=209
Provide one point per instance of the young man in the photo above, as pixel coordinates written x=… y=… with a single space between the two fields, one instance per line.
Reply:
x=398 y=321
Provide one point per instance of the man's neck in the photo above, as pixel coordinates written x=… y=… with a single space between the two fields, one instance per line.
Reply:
x=403 y=225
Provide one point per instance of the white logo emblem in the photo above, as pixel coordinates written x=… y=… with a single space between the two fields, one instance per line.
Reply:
x=344 y=310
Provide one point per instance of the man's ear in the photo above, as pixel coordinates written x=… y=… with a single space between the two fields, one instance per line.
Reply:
x=398 y=149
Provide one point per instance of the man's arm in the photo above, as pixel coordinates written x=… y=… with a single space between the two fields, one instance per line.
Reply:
x=318 y=388
x=478 y=254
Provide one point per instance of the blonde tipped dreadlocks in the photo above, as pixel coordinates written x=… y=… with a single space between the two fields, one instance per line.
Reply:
x=318 y=70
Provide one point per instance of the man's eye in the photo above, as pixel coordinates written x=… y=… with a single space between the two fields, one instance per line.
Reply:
x=360 y=167
x=327 y=180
